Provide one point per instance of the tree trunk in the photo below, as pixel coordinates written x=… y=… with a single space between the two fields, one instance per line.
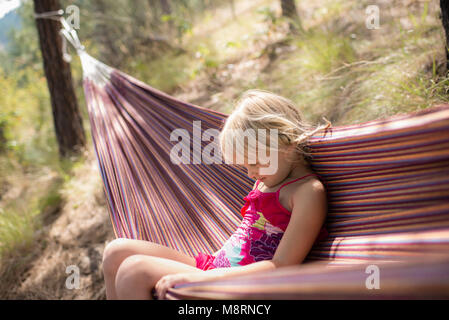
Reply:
x=2 y=137
x=66 y=116
x=444 y=5
x=289 y=11
x=232 y=3
x=166 y=7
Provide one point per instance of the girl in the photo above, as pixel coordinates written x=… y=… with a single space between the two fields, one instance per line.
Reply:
x=282 y=218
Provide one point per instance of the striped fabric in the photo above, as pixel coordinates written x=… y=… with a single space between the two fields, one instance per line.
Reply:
x=426 y=279
x=188 y=207
x=387 y=183
x=388 y=187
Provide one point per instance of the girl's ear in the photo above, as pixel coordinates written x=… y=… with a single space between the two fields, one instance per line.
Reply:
x=290 y=152
x=291 y=149
x=295 y=155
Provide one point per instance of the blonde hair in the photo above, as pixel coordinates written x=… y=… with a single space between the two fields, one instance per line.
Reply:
x=260 y=109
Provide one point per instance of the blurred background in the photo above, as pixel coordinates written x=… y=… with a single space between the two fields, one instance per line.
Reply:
x=332 y=57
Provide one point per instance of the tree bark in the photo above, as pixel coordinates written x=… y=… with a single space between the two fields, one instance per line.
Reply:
x=2 y=138
x=66 y=116
x=166 y=7
x=444 y=5
x=232 y=3
x=290 y=12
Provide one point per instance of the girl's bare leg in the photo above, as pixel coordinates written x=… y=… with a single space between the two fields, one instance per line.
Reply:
x=119 y=249
x=138 y=275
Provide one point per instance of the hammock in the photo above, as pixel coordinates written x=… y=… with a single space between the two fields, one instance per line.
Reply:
x=387 y=183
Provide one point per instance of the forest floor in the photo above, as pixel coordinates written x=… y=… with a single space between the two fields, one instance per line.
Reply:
x=73 y=232
x=75 y=228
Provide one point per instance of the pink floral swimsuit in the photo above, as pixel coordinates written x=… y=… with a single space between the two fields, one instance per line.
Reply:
x=264 y=223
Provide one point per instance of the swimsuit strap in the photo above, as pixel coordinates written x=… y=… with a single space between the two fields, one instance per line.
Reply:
x=310 y=174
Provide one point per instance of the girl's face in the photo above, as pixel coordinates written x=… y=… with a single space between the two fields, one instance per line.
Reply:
x=283 y=169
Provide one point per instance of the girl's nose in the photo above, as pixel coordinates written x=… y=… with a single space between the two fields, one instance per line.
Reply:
x=252 y=173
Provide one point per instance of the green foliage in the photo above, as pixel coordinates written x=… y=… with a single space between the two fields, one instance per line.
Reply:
x=23 y=48
x=10 y=20
x=207 y=60
x=20 y=220
x=16 y=230
x=26 y=118
x=271 y=20
x=355 y=74
x=268 y=14
x=322 y=51
x=181 y=25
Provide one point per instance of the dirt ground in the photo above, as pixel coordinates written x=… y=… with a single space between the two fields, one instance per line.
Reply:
x=74 y=234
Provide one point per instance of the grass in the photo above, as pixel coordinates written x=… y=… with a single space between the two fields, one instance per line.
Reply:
x=33 y=200
x=337 y=68
x=216 y=39
x=19 y=220
x=353 y=75
x=17 y=230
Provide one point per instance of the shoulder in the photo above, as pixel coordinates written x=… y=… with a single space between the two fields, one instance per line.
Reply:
x=311 y=184
x=310 y=190
x=297 y=191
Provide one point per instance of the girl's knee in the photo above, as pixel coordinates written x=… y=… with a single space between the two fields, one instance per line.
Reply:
x=114 y=253
x=134 y=272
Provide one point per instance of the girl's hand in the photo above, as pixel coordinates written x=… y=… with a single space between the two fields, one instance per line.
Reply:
x=170 y=280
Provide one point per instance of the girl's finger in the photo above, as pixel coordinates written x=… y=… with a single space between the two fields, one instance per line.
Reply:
x=168 y=285
x=164 y=290
x=159 y=290
x=156 y=288
x=154 y=294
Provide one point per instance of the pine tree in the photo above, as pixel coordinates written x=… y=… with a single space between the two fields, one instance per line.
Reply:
x=66 y=115
x=444 y=5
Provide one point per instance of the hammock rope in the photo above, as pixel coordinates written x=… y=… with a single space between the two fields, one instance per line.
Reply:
x=387 y=182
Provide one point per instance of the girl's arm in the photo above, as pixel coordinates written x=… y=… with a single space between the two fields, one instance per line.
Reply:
x=308 y=214
x=222 y=273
